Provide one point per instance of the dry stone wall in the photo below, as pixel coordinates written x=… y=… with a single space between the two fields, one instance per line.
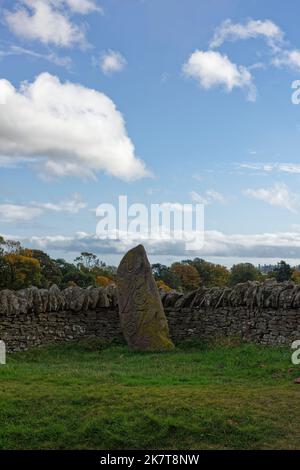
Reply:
x=267 y=313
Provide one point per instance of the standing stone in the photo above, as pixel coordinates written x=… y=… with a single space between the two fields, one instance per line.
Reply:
x=142 y=316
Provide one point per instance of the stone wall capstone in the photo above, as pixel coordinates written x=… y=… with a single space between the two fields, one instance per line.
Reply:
x=266 y=313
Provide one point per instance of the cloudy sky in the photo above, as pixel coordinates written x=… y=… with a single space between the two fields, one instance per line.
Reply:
x=164 y=101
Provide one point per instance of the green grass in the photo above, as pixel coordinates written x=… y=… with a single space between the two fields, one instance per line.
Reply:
x=200 y=396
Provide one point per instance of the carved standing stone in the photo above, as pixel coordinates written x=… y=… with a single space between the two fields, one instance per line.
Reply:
x=142 y=316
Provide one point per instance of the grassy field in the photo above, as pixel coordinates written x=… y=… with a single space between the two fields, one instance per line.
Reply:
x=88 y=396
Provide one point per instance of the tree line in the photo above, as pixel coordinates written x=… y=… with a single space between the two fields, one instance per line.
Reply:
x=22 y=267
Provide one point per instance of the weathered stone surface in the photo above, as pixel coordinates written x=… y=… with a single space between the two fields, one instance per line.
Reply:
x=142 y=316
x=56 y=300
x=266 y=313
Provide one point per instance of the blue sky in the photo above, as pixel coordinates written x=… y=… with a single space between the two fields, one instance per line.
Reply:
x=191 y=102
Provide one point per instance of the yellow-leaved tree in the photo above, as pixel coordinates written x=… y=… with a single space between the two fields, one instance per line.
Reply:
x=187 y=274
x=19 y=271
x=103 y=281
x=163 y=286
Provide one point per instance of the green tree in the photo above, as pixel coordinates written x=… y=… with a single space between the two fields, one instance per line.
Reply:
x=72 y=274
x=244 y=272
x=210 y=274
x=87 y=261
x=50 y=271
x=283 y=272
x=103 y=270
x=164 y=273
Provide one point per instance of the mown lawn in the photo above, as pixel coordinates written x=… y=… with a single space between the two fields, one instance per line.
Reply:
x=88 y=396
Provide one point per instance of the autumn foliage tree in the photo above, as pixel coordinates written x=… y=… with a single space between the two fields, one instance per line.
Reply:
x=187 y=274
x=211 y=274
x=295 y=276
x=18 y=271
x=161 y=285
x=103 y=281
x=164 y=273
x=21 y=267
x=18 y=268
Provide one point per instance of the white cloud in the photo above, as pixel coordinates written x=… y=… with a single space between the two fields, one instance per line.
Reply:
x=212 y=69
x=278 y=195
x=40 y=20
x=291 y=168
x=286 y=58
x=280 y=245
x=66 y=128
x=283 y=56
x=83 y=7
x=50 y=56
x=256 y=166
x=13 y=213
x=209 y=197
x=229 y=31
x=215 y=196
x=112 y=62
x=196 y=197
x=176 y=206
x=73 y=205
